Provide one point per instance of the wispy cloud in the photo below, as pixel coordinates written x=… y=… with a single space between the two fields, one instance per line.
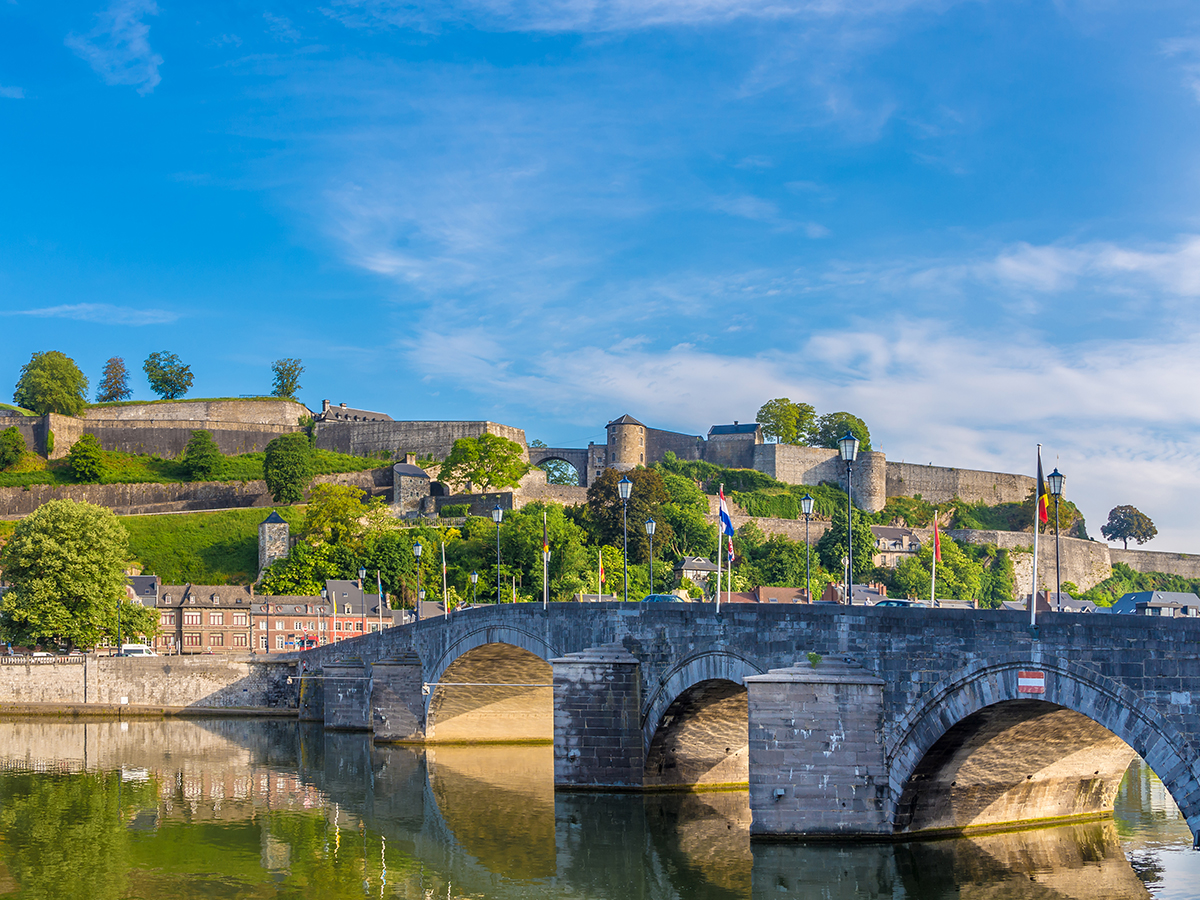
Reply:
x=12 y=93
x=118 y=48
x=1187 y=50
x=103 y=313
x=281 y=27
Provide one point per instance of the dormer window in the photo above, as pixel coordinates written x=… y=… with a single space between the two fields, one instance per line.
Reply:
x=216 y=599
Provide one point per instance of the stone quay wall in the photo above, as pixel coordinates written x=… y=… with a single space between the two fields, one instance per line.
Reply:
x=398 y=438
x=142 y=499
x=168 y=681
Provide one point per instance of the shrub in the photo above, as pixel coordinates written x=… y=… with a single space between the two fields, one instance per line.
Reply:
x=288 y=467
x=202 y=459
x=12 y=447
x=454 y=510
x=86 y=459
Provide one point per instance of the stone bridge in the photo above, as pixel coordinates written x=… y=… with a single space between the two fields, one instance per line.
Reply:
x=843 y=721
x=576 y=458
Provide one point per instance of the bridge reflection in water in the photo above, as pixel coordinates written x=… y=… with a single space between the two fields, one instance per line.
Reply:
x=326 y=812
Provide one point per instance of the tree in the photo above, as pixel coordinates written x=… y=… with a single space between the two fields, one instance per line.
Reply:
x=287 y=377
x=51 y=383
x=169 y=378
x=12 y=447
x=831 y=547
x=646 y=499
x=786 y=422
x=337 y=515
x=832 y=427
x=86 y=459
x=115 y=384
x=288 y=467
x=958 y=576
x=65 y=566
x=485 y=462
x=202 y=458
x=1125 y=522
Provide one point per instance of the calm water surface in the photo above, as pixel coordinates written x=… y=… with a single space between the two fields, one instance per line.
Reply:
x=240 y=809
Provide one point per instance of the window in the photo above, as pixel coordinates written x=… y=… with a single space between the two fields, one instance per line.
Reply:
x=241 y=618
x=262 y=642
x=191 y=617
x=279 y=624
x=216 y=640
x=191 y=640
x=239 y=640
x=216 y=618
x=358 y=626
x=337 y=625
x=297 y=626
x=167 y=618
x=262 y=624
x=279 y=642
x=323 y=625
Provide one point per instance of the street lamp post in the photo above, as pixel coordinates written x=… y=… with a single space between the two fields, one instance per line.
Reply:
x=321 y=627
x=497 y=516
x=417 y=553
x=806 y=507
x=848 y=448
x=474 y=581
x=625 y=486
x=1055 y=480
x=362 y=601
x=650 y=534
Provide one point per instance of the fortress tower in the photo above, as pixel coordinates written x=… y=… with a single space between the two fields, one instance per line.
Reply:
x=274 y=541
x=626 y=443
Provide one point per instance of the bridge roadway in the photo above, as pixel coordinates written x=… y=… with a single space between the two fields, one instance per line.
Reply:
x=843 y=721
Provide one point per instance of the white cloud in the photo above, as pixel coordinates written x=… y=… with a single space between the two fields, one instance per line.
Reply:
x=102 y=313
x=118 y=48
x=281 y=28
x=1189 y=50
x=12 y=93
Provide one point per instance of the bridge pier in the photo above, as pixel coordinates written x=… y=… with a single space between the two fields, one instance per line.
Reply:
x=397 y=699
x=347 y=696
x=312 y=696
x=817 y=760
x=597 y=720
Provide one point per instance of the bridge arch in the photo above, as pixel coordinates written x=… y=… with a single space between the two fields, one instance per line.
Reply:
x=968 y=709
x=492 y=684
x=576 y=459
x=695 y=724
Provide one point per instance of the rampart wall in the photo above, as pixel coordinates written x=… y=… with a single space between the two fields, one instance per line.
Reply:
x=398 y=438
x=938 y=484
x=140 y=499
x=1186 y=565
x=685 y=446
x=793 y=464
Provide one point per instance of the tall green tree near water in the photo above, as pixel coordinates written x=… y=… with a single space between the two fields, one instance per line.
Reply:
x=51 y=383
x=65 y=566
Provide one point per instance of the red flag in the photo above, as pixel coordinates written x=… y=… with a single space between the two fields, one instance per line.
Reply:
x=937 y=541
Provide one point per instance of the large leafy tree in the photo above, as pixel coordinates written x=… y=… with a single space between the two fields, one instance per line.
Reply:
x=484 y=463
x=646 y=499
x=288 y=467
x=832 y=427
x=831 y=547
x=287 y=377
x=86 y=459
x=786 y=422
x=340 y=514
x=114 y=385
x=958 y=576
x=12 y=447
x=202 y=458
x=168 y=376
x=1125 y=522
x=65 y=567
x=51 y=383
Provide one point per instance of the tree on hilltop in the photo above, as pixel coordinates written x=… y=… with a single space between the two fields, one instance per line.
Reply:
x=485 y=462
x=115 y=384
x=168 y=376
x=832 y=427
x=51 y=383
x=287 y=377
x=65 y=566
x=1125 y=522
x=786 y=422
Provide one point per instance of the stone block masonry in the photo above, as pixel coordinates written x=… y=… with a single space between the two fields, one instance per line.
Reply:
x=422 y=438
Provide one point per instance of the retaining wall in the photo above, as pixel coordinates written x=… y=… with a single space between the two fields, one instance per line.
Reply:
x=1186 y=565
x=938 y=484
x=422 y=438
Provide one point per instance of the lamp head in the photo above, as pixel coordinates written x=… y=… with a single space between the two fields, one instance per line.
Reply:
x=848 y=447
x=650 y=525
x=417 y=550
x=474 y=578
x=497 y=514
x=1055 y=482
x=362 y=573
x=806 y=505
x=625 y=486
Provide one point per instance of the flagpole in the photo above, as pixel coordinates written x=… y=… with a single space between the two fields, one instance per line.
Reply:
x=545 y=563
x=1036 y=515
x=719 y=551
x=445 y=602
x=933 y=579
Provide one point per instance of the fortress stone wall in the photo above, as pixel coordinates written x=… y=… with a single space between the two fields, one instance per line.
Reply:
x=1186 y=565
x=398 y=438
x=937 y=484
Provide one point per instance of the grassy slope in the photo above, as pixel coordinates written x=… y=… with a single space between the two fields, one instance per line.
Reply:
x=203 y=548
x=24 y=412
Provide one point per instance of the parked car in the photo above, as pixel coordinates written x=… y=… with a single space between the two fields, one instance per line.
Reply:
x=662 y=598
x=136 y=650
x=896 y=601
x=42 y=654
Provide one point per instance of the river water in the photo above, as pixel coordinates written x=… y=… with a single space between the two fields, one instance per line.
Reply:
x=220 y=809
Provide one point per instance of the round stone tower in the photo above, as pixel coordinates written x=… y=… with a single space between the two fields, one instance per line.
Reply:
x=274 y=538
x=626 y=443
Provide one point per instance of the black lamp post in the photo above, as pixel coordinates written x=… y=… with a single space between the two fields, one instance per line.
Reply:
x=321 y=634
x=417 y=554
x=1055 y=482
x=362 y=600
x=624 y=486
x=806 y=507
x=848 y=448
x=474 y=581
x=650 y=534
x=497 y=516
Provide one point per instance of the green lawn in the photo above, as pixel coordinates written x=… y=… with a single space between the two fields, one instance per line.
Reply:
x=24 y=412
x=130 y=468
x=203 y=547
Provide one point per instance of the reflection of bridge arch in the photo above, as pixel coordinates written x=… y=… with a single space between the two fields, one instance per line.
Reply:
x=695 y=725
x=463 y=704
x=577 y=459
x=976 y=748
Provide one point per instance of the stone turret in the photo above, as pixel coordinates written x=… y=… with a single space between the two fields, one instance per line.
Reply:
x=274 y=539
x=626 y=443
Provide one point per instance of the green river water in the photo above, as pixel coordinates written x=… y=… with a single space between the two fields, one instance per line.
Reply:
x=218 y=809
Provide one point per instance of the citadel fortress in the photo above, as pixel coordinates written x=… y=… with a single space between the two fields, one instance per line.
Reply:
x=242 y=426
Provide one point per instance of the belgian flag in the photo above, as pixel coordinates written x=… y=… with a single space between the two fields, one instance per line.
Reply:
x=1043 y=496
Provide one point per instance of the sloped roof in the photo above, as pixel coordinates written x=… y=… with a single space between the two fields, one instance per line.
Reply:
x=626 y=420
x=735 y=428
x=273 y=519
x=409 y=470
x=891 y=533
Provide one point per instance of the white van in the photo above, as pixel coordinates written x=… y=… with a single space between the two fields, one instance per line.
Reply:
x=136 y=650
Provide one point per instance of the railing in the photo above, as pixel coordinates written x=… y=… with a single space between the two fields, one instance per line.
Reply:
x=41 y=660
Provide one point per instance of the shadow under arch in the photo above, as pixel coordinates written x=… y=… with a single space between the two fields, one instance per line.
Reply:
x=1036 y=745
x=695 y=726
x=491 y=691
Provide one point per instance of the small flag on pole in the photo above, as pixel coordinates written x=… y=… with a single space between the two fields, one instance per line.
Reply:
x=731 y=553
x=1043 y=496
x=937 y=541
x=726 y=522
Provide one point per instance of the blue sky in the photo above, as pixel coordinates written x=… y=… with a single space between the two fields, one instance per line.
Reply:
x=974 y=224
